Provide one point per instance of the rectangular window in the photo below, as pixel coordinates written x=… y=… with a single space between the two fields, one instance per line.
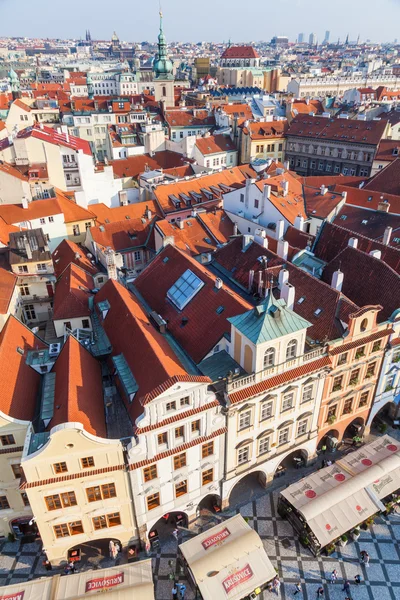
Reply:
x=104 y=521
x=179 y=432
x=68 y=499
x=354 y=376
x=360 y=352
x=207 y=476
x=61 y=530
x=195 y=426
x=51 y=219
x=283 y=436
x=162 y=438
x=7 y=440
x=153 y=501
x=185 y=401
x=263 y=445
x=150 y=473
x=108 y=491
x=171 y=405
x=42 y=221
x=87 y=462
x=24 y=290
x=207 y=449
x=53 y=502
x=371 y=370
x=244 y=419
x=287 y=402
x=181 y=488
x=331 y=412
x=302 y=427
x=241 y=197
x=363 y=399
x=179 y=461
x=266 y=410
x=376 y=346
x=25 y=499
x=348 y=406
x=85 y=324
x=342 y=358
x=307 y=393
x=137 y=255
x=4 y=503
x=23 y=269
x=60 y=467
x=16 y=469
x=67 y=529
x=76 y=230
x=256 y=203
x=243 y=455
x=337 y=383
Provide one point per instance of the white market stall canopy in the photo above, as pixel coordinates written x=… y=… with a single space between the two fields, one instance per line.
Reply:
x=228 y=560
x=126 y=582
x=336 y=499
x=39 y=589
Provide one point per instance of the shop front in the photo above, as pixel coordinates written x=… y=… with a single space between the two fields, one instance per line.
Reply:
x=227 y=561
x=328 y=507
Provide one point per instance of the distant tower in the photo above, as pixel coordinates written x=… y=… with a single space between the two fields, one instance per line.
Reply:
x=88 y=36
x=358 y=39
x=347 y=40
x=163 y=69
x=300 y=39
x=14 y=84
x=327 y=36
x=312 y=40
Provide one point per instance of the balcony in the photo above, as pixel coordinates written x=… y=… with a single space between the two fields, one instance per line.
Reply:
x=34 y=298
x=247 y=380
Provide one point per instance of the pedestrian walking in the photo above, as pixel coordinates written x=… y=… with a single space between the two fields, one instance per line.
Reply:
x=346 y=587
x=320 y=592
x=276 y=584
x=175 y=533
x=175 y=592
x=297 y=589
x=334 y=576
x=71 y=565
x=182 y=591
x=111 y=548
x=357 y=579
x=366 y=559
x=323 y=449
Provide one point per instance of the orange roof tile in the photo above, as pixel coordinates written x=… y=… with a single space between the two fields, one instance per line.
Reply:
x=218 y=224
x=7 y=285
x=103 y=214
x=19 y=385
x=5 y=231
x=71 y=298
x=68 y=252
x=79 y=389
x=289 y=206
x=265 y=130
x=214 y=144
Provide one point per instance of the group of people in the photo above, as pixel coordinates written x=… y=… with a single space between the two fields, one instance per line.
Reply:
x=274 y=585
x=334 y=578
x=178 y=591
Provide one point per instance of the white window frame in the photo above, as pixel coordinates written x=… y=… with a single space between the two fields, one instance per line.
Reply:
x=244 y=420
x=243 y=455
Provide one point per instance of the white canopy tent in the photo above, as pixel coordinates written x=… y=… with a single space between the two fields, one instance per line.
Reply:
x=228 y=560
x=336 y=499
x=39 y=589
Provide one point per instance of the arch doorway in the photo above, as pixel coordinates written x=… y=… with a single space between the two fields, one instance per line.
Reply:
x=354 y=429
x=163 y=529
x=248 y=488
x=330 y=440
x=209 y=504
x=384 y=417
x=94 y=553
x=294 y=460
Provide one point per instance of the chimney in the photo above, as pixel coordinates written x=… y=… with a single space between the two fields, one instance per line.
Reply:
x=288 y=293
x=235 y=228
x=299 y=222
x=41 y=126
x=285 y=188
x=260 y=283
x=337 y=280
x=181 y=224
x=25 y=202
x=376 y=253
x=251 y=279
x=324 y=190
x=111 y=264
x=353 y=242
x=266 y=192
x=148 y=214
x=344 y=196
x=286 y=164
x=218 y=283
x=280 y=229
x=194 y=213
x=260 y=238
x=384 y=206
x=387 y=235
x=67 y=137
x=283 y=277
x=27 y=248
x=283 y=249
x=246 y=241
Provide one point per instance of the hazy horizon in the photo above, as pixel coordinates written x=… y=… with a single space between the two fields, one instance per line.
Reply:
x=210 y=21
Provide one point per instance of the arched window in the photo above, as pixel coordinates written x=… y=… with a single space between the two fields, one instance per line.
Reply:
x=364 y=324
x=291 y=349
x=269 y=358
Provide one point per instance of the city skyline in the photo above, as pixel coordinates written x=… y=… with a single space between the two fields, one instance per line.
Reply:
x=142 y=20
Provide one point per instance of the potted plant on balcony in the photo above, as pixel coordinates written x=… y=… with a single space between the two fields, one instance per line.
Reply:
x=330 y=549
x=359 y=353
x=343 y=540
x=331 y=419
x=304 y=540
x=355 y=534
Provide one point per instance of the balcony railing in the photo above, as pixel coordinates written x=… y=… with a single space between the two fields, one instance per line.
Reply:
x=34 y=298
x=248 y=380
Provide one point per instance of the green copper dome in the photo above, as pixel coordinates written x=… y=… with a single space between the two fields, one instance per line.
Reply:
x=162 y=65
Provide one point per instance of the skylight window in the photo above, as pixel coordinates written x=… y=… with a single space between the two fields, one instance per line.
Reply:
x=343 y=217
x=300 y=300
x=318 y=312
x=364 y=222
x=184 y=289
x=220 y=310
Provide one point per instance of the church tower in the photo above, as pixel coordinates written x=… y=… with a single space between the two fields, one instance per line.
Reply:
x=163 y=81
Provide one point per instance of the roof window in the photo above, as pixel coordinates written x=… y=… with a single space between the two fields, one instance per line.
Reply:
x=318 y=312
x=301 y=300
x=184 y=289
x=220 y=310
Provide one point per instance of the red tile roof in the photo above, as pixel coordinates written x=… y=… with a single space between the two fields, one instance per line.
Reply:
x=318 y=205
x=125 y=235
x=152 y=361
x=238 y=110
x=7 y=286
x=8 y=169
x=298 y=239
x=218 y=224
x=240 y=52
x=304 y=107
x=386 y=181
x=79 y=390
x=260 y=130
x=133 y=166
x=333 y=239
x=13 y=213
x=71 y=298
x=198 y=327
x=388 y=150
x=291 y=205
x=338 y=130
x=366 y=198
x=66 y=253
x=5 y=231
x=51 y=136
x=367 y=280
x=186 y=118
x=278 y=380
x=332 y=180
x=214 y=144
x=368 y=223
x=103 y=214
x=19 y=385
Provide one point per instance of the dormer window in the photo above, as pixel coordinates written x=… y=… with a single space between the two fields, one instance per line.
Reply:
x=291 y=350
x=269 y=358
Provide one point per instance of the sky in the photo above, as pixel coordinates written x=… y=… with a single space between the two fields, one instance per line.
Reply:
x=207 y=20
